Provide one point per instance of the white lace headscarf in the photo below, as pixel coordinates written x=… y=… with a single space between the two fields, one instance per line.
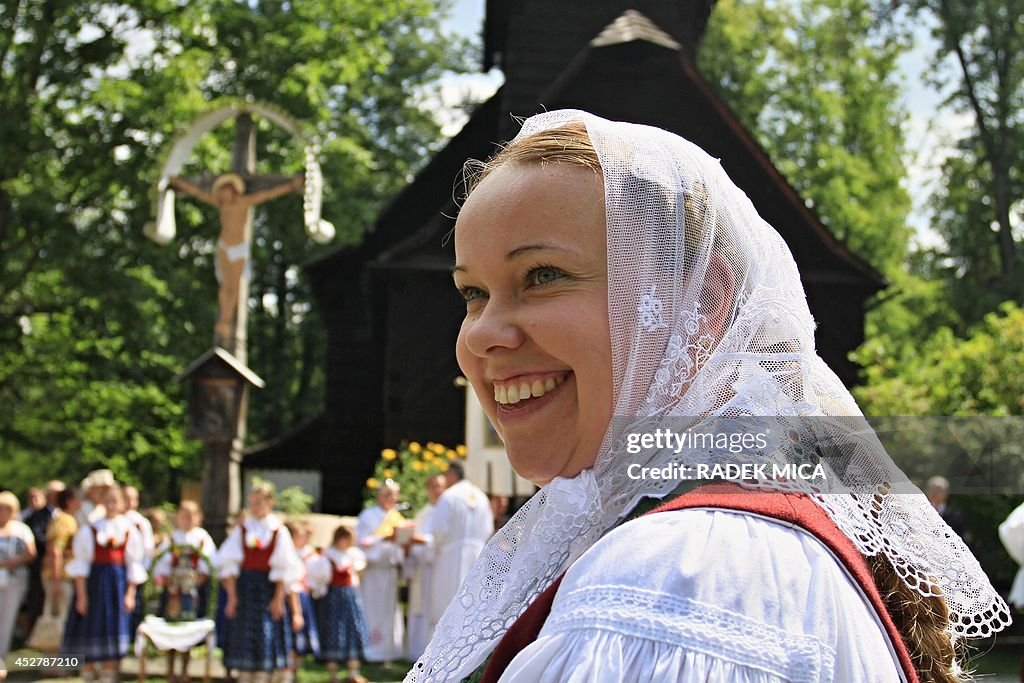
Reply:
x=673 y=216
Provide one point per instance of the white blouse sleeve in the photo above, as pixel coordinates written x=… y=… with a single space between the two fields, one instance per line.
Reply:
x=357 y=557
x=208 y=548
x=285 y=563
x=135 y=556
x=82 y=547
x=162 y=566
x=228 y=558
x=708 y=596
x=318 y=576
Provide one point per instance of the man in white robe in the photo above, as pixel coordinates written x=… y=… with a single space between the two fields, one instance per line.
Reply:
x=379 y=586
x=460 y=525
x=419 y=572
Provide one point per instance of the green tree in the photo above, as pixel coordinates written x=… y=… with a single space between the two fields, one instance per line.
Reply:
x=986 y=39
x=816 y=81
x=94 y=320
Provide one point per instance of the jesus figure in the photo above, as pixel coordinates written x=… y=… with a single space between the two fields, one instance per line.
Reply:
x=233 y=248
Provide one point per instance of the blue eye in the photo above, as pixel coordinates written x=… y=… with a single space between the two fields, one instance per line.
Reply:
x=542 y=275
x=471 y=293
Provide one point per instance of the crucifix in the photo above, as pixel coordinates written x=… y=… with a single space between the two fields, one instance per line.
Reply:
x=220 y=378
x=235 y=194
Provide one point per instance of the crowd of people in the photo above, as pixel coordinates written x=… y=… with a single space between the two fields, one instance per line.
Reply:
x=87 y=558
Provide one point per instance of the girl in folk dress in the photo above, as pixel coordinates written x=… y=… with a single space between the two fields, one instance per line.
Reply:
x=255 y=564
x=307 y=639
x=106 y=568
x=183 y=558
x=333 y=578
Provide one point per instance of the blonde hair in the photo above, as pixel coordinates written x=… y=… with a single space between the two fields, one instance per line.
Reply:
x=264 y=489
x=10 y=500
x=569 y=144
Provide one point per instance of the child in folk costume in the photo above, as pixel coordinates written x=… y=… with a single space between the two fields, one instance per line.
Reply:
x=256 y=564
x=106 y=568
x=131 y=511
x=307 y=639
x=333 y=577
x=182 y=568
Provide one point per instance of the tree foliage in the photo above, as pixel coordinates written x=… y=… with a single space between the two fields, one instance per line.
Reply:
x=816 y=80
x=985 y=38
x=94 y=320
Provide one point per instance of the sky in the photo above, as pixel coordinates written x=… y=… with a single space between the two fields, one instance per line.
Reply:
x=930 y=127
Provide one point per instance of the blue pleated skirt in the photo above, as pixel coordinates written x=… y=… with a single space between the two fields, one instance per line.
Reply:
x=307 y=641
x=341 y=624
x=253 y=641
x=104 y=633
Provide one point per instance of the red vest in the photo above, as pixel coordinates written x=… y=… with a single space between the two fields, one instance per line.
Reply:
x=795 y=509
x=102 y=554
x=257 y=559
x=341 y=577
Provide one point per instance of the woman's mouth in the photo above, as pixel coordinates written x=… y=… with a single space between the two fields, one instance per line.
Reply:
x=525 y=387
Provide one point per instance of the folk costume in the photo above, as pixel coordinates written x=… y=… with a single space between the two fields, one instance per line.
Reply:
x=711 y=593
x=259 y=553
x=181 y=560
x=334 y=580
x=149 y=546
x=306 y=641
x=110 y=554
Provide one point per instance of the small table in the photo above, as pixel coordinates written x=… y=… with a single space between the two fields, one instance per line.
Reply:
x=179 y=636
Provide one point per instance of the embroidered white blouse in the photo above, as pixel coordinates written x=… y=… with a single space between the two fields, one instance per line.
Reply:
x=108 y=530
x=708 y=596
x=197 y=537
x=258 y=533
x=320 y=569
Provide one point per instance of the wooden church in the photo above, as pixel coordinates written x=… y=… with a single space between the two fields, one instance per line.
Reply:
x=391 y=311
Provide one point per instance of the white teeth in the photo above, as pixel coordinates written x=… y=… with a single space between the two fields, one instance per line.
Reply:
x=512 y=394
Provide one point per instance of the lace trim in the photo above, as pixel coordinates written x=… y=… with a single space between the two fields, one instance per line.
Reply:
x=692 y=625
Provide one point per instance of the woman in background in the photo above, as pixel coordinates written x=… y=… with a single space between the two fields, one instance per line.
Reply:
x=17 y=551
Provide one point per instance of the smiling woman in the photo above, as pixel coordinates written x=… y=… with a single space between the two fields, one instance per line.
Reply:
x=619 y=286
x=535 y=343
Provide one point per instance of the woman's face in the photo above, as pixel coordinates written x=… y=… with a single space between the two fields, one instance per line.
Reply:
x=535 y=343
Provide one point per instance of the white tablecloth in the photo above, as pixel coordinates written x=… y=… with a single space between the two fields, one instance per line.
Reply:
x=178 y=636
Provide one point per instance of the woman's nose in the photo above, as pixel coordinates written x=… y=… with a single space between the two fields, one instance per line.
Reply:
x=495 y=328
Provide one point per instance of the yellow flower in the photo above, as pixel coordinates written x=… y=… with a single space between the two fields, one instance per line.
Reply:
x=372 y=483
x=461 y=450
x=388 y=454
x=415 y=447
x=450 y=454
x=417 y=466
x=437 y=448
x=388 y=473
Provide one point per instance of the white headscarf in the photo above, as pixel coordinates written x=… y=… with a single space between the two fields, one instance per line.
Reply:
x=673 y=217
